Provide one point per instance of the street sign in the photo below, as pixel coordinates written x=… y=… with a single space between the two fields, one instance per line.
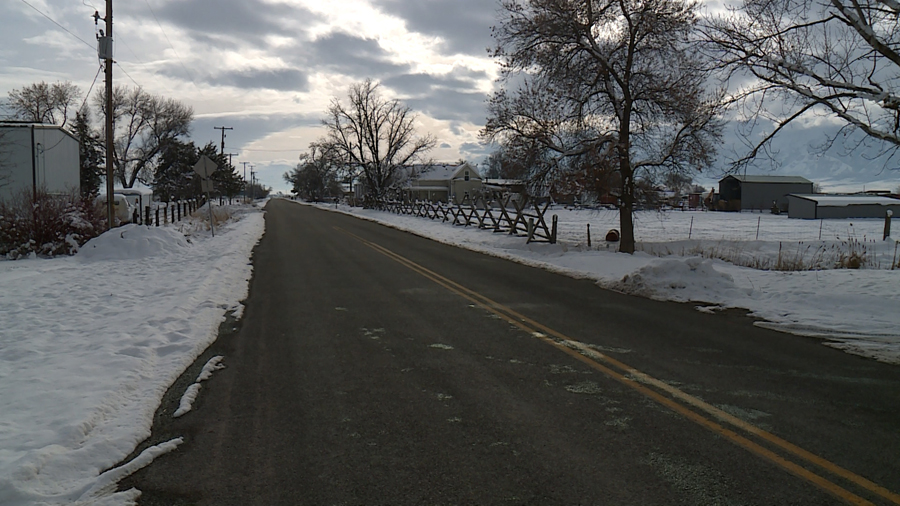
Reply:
x=205 y=167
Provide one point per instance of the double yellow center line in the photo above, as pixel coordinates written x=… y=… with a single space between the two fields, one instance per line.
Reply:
x=677 y=400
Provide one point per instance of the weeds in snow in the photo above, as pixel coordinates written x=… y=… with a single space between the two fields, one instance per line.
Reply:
x=847 y=254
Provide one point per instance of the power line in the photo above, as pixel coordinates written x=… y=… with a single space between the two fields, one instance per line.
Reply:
x=59 y=25
x=127 y=74
x=180 y=61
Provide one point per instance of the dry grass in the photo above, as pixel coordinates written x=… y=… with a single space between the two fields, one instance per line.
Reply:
x=847 y=254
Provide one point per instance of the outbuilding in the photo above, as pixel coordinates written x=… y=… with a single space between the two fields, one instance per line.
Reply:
x=35 y=156
x=821 y=206
x=738 y=193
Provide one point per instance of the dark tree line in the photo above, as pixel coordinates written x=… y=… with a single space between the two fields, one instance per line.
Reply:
x=175 y=178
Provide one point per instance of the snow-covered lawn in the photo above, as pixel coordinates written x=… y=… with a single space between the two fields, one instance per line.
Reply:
x=89 y=344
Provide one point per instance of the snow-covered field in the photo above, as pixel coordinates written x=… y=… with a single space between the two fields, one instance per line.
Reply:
x=90 y=343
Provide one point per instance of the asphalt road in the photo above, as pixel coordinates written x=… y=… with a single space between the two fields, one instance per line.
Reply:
x=376 y=367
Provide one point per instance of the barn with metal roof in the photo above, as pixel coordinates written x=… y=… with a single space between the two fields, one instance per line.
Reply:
x=740 y=193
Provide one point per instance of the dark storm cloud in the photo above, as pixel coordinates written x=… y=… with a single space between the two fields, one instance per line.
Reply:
x=352 y=56
x=247 y=19
x=476 y=152
x=418 y=84
x=451 y=105
x=249 y=79
x=465 y=25
x=452 y=97
x=280 y=79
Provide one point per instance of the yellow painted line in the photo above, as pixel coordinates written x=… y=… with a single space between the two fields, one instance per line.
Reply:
x=636 y=379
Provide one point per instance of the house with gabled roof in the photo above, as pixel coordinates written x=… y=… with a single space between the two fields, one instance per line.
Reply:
x=443 y=182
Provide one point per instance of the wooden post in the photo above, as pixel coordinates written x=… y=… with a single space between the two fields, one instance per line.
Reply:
x=530 y=230
x=157 y=216
x=178 y=206
x=691 y=230
x=887 y=224
x=758 y=221
x=553 y=231
x=589 y=235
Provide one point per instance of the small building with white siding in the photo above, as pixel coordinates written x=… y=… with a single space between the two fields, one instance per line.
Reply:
x=820 y=206
x=35 y=156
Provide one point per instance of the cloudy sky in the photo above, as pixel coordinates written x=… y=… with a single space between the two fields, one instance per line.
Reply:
x=268 y=68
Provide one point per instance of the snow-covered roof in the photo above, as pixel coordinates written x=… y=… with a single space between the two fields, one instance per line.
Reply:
x=848 y=200
x=429 y=188
x=769 y=179
x=504 y=182
x=443 y=171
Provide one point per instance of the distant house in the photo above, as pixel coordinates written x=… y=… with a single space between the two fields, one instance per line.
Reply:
x=820 y=206
x=738 y=193
x=443 y=182
x=35 y=156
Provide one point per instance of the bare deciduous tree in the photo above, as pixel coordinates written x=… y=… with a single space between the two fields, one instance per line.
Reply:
x=840 y=58
x=316 y=176
x=45 y=103
x=374 y=135
x=615 y=80
x=144 y=123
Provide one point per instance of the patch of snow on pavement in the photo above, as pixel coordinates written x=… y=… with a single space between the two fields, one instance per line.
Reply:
x=191 y=393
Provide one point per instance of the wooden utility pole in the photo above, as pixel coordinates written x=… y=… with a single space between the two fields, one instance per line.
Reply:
x=106 y=52
x=222 y=128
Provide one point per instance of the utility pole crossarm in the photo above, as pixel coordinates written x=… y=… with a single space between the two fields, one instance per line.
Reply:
x=223 y=128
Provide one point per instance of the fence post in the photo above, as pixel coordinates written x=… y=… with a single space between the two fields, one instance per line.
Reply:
x=173 y=213
x=178 y=207
x=589 y=235
x=157 y=216
x=147 y=220
x=553 y=231
x=530 y=230
x=887 y=224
